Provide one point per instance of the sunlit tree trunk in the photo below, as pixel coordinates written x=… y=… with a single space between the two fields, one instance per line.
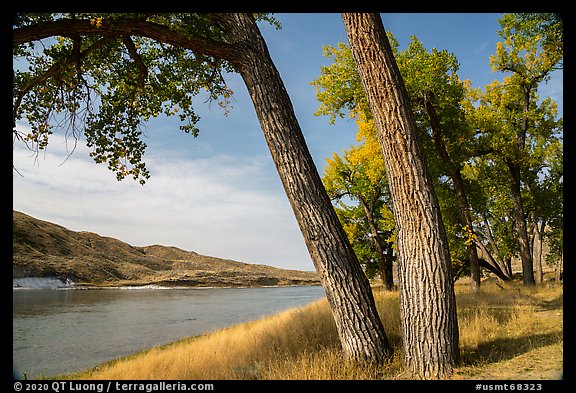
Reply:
x=347 y=288
x=427 y=301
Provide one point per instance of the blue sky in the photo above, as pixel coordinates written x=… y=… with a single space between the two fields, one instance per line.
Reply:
x=219 y=194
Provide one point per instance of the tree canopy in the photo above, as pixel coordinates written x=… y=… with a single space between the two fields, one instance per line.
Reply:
x=104 y=76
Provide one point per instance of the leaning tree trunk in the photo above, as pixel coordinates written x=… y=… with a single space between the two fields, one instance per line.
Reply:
x=427 y=301
x=347 y=289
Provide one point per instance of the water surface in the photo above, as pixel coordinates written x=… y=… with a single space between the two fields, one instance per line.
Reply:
x=63 y=331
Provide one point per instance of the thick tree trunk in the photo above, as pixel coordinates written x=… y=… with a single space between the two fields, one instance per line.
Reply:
x=347 y=289
x=427 y=301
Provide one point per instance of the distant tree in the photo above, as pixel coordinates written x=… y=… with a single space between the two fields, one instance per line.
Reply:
x=427 y=301
x=516 y=121
x=459 y=133
x=104 y=75
x=491 y=206
x=359 y=176
x=544 y=207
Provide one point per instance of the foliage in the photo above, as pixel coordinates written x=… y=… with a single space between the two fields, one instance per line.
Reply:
x=532 y=46
x=518 y=128
x=201 y=42
x=107 y=86
x=481 y=131
x=338 y=88
x=430 y=78
x=358 y=184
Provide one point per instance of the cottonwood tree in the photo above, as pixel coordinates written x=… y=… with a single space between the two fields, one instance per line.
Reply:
x=544 y=206
x=532 y=48
x=427 y=301
x=105 y=74
x=357 y=182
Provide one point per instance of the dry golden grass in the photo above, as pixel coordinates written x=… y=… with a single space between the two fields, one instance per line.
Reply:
x=504 y=324
x=504 y=332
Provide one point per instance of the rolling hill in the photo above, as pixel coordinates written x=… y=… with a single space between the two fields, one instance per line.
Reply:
x=44 y=249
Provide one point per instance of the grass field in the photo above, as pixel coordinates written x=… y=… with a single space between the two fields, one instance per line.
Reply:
x=507 y=331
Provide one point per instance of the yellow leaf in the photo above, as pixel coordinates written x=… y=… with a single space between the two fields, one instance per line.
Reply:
x=96 y=22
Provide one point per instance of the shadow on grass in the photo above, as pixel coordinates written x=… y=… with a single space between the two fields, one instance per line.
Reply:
x=547 y=305
x=507 y=348
x=501 y=307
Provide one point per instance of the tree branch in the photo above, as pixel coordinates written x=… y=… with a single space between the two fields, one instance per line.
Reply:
x=126 y=26
x=57 y=68
x=338 y=196
x=129 y=44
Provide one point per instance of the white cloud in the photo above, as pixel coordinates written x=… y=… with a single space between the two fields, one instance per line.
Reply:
x=221 y=205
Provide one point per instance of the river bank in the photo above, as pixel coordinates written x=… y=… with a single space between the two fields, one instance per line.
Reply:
x=504 y=334
x=26 y=283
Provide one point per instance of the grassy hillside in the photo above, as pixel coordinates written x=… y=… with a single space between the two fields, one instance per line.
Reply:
x=44 y=249
x=510 y=332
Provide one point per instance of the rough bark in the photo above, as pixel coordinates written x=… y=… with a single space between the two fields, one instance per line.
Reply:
x=427 y=301
x=347 y=289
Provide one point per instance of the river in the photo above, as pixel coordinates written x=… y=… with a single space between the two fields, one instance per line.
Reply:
x=67 y=330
